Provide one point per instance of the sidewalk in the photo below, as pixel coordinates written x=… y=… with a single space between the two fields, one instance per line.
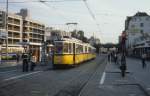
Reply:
x=110 y=83
x=140 y=74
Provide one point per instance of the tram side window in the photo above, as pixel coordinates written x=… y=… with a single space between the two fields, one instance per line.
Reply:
x=81 y=49
x=70 y=47
x=77 y=48
x=58 y=48
x=89 y=50
x=86 y=49
x=65 y=48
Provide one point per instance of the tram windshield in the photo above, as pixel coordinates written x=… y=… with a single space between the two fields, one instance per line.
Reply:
x=58 y=47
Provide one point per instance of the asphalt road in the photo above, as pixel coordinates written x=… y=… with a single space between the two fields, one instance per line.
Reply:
x=59 y=82
x=94 y=78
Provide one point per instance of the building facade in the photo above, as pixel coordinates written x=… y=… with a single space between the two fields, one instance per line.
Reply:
x=136 y=27
x=34 y=32
x=14 y=27
x=21 y=26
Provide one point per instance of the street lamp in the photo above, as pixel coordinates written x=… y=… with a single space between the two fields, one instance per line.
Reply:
x=6 y=28
x=123 y=57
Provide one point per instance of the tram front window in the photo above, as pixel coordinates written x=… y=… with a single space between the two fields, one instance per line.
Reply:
x=65 y=47
x=59 y=48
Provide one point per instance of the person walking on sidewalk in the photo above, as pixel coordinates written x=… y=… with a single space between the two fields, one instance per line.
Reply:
x=143 y=60
x=116 y=58
x=17 y=57
x=109 y=56
x=33 y=63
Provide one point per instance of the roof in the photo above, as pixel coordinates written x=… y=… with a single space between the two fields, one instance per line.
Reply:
x=141 y=14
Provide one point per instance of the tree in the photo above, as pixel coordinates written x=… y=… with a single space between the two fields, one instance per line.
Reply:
x=74 y=34
x=80 y=34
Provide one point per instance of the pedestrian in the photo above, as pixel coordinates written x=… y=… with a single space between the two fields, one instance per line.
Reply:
x=17 y=57
x=25 y=62
x=33 y=63
x=143 y=60
x=115 y=58
x=109 y=56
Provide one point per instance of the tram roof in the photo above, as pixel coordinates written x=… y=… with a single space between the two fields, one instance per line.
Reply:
x=69 y=39
x=74 y=40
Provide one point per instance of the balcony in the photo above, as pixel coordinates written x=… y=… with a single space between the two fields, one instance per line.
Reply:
x=15 y=41
x=16 y=36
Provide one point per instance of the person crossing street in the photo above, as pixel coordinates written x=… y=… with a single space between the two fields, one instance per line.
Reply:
x=143 y=60
x=25 y=62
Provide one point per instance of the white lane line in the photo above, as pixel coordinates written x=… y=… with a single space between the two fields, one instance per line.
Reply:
x=20 y=76
x=8 y=71
x=103 y=78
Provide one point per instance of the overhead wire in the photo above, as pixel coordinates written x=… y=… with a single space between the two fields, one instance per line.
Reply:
x=52 y=1
x=55 y=10
x=92 y=15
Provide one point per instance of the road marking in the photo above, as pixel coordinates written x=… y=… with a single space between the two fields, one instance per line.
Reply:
x=20 y=76
x=8 y=71
x=103 y=78
x=148 y=89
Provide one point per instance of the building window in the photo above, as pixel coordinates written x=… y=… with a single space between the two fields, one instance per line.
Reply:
x=132 y=26
x=140 y=19
x=142 y=24
x=141 y=31
x=147 y=19
x=134 y=19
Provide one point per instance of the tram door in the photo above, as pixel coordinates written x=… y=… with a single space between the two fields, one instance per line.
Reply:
x=74 y=53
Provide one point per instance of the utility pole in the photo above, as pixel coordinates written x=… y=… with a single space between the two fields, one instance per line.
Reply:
x=6 y=28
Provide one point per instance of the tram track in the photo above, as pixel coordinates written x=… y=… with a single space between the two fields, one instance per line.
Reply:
x=64 y=82
x=74 y=86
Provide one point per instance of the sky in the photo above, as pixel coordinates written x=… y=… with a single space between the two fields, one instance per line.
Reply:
x=106 y=24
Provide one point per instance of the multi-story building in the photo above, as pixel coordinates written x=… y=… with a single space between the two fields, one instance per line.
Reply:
x=14 y=31
x=135 y=27
x=21 y=26
x=34 y=32
x=2 y=19
x=48 y=31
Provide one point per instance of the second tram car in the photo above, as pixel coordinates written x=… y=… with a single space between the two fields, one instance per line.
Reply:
x=71 y=51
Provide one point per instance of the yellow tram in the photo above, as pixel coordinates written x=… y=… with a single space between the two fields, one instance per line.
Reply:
x=71 y=51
